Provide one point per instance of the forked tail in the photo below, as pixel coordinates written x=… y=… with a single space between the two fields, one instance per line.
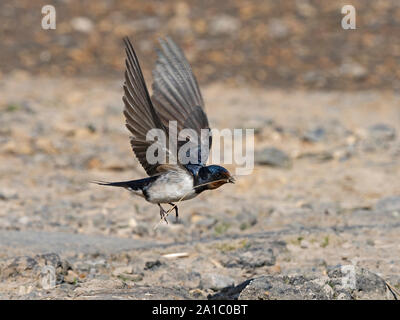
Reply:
x=133 y=185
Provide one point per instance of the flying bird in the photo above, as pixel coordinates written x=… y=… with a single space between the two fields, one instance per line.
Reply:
x=175 y=97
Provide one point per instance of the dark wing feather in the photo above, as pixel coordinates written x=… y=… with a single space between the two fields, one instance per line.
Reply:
x=139 y=111
x=176 y=94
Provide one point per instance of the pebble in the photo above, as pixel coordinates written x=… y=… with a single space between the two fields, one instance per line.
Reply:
x=382 y=132
x=224 y=24
x=71 y=277
x=391 y=203
x=216 y=281
x=182 y=277
x=315 y=135
x=122 y=270
x=353 y=70
x=253 y=257
x=205 y=222
x=273 y=157
x=82 y=24
x=258 y=124
x=150 y=265
x=277 y=28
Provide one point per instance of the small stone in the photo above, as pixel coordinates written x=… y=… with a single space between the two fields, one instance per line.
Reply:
x=141 y=229
x=131 y=277
x=182 y=277
x=82 y=24
x=224 y=24
x=8 y=194
x=132 y=223
x=272 y=157
x=216 y=282
x=246 y=220
x=45 y=56
x=381 y=132
x=152 y=264
x=389 y=204
x=253 y=257
x=318 y=156
x=277 y=28
x=71 y=277
x=121 y=270
x=23 y=220
x=314 y=135
x=304 y=244
x=205 y=222
x=353 y=70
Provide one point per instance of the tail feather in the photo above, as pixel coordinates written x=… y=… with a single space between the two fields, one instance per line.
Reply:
x=123 y=184
x=131 y=184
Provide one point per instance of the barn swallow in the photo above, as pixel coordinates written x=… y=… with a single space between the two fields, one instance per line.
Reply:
x=175 y=97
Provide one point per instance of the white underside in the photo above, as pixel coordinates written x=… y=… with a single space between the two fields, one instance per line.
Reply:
x=172 y=187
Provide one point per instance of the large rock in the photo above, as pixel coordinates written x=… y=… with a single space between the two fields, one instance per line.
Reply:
x=24 y=275
x=341 y=282
x=358 y=284
x=286 y=288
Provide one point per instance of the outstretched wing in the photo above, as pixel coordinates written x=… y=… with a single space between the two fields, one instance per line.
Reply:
x=139 y=111
x=177 y=97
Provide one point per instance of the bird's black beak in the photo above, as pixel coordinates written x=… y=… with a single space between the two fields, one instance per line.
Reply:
x=231 y=180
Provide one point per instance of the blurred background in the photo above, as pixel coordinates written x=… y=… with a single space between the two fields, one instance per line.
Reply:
x=325 y=190
x=293 y=43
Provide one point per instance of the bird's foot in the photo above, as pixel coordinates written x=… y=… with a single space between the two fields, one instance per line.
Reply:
x=176 y=210
x=163 y=214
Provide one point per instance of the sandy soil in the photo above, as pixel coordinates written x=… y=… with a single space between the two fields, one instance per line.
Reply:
x=336 y=203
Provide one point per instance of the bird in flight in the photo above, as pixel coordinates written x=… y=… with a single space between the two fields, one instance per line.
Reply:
x=175 y=98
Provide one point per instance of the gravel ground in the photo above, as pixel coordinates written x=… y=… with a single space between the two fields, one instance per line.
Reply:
x=324 y=195
x=291 y=43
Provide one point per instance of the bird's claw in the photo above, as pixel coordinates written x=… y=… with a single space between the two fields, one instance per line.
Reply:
x=176 y=211
x=163 y=215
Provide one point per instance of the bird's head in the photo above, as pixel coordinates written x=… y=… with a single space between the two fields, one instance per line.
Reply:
x=215 y=176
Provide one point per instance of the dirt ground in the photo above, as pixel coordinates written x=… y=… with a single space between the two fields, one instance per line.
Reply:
x=324 y=195
x=257 y=43
x=334 y=202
